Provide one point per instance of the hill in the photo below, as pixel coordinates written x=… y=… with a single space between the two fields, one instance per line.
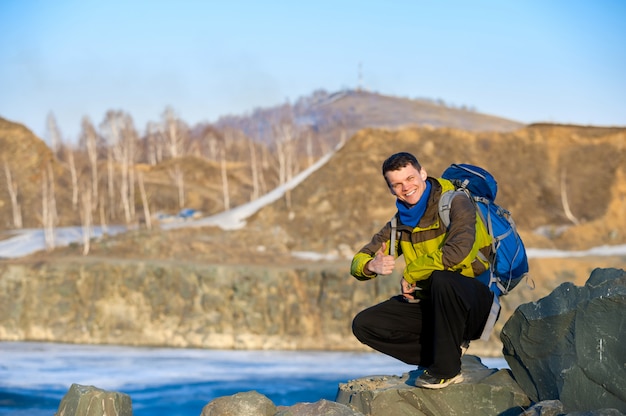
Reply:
x=206 y=287
x=347 y=200
x=278 y=141
x=335 y=117
x=338 y=207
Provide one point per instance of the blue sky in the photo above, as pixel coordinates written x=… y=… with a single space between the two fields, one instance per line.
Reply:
x=530 y=61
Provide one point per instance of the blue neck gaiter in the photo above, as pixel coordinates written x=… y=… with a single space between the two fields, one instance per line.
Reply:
x=411 y=215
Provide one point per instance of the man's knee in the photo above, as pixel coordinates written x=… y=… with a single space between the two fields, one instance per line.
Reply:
x=358 y=325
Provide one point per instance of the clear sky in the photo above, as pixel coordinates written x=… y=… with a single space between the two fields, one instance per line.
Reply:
x=528 y=60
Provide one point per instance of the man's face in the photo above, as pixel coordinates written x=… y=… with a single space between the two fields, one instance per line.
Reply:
x=407 y=184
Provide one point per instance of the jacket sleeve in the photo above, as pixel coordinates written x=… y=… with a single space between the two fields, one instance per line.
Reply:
x=368 y=252
x=457 y=252
x=458 y=246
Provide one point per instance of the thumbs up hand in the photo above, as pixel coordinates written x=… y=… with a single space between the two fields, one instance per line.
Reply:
x=381 y=263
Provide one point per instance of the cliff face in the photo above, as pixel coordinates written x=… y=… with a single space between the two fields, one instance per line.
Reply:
x=301 y=305
x=152 y=303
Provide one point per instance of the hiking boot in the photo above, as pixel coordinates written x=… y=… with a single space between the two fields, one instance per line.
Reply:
x=427 y=381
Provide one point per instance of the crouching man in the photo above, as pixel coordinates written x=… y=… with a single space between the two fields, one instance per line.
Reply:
x=441 y=305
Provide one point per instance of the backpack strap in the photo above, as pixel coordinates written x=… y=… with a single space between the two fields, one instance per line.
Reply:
x=392 y=239
x=445 y=204
x=494 y=312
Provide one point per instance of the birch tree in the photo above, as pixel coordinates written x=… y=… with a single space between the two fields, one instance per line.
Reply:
x=103 y=215
x=225 y=190
x=69 y=157
x=154 y=144
x=210 y=144
x=89 y=140
x=284 y=140
x=254 y=171
x=121 y=140
x=49 y=210
x=130 y=143
x=54 y=134
x=86 y=217
x=144 y=201
x=177 y=176
x=175 y=135
x=285 y=144
x=13 y=189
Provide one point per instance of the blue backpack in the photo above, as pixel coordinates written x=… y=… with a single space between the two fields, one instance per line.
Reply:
x=509 y=262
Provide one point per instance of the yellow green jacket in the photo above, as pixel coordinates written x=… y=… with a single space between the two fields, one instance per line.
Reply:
x=430 y=245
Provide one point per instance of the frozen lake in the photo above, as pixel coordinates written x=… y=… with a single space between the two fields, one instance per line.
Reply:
x=34 y=377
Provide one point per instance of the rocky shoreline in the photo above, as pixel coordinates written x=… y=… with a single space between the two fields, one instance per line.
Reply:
x=550 y=345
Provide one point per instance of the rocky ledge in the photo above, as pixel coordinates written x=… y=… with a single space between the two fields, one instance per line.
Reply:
x=566 y=354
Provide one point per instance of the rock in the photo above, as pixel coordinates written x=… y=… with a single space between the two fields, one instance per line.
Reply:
x=556 y=408
x=249 y=403
x=485 y=391
x=545 y=408
x=92 y=401
x=570 y=345
x=319 y=408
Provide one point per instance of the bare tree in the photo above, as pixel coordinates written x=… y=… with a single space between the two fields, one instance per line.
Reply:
x=154 y=144
x=265 y=163
x=49 y=211
x=13 y=188
x=144 y=201
x=103 y=216
x=177 y=175
x=309 y=148
x=54 y=134
x=69 y=156
x=211 y=144
x=282 y=141
x=130 y=143
x=225 y=190
x=285 y=135
x=110 y=182
x=175 y=132
x=86 y=217
x=89 y=139
x=254 y=170
x=121 y=139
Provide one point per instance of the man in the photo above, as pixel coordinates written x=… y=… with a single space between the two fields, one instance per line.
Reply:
x=441 y=306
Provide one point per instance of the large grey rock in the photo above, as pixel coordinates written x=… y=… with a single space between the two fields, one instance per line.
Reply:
x=556 y=408
x=571 y=345
x=319 y=408
x=485 y=392
x=250 y=403
x=545 y=408
x=92 y=401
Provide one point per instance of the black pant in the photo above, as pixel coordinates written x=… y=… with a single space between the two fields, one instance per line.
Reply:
x=428 y=333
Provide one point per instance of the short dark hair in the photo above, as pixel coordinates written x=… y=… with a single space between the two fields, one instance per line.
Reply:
x=399 y=160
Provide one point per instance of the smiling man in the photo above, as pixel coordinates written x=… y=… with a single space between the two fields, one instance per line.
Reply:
x=441 y=306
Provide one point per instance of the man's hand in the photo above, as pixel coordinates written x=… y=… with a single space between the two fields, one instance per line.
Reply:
x=381 y=263
x=407 y=289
